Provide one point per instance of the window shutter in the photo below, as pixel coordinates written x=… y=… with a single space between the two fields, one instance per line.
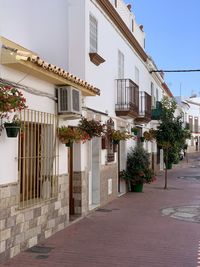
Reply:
x=120 y=65
x=93 y=34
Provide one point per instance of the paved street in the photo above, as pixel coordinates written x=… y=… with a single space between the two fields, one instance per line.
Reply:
x=156 y=228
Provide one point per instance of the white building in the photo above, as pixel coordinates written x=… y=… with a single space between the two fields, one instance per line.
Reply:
x=190 y=107
x=103 y=46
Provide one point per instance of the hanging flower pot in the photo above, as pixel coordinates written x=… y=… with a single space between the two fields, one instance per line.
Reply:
x=115 y=146
x=69 y=144
x=134 y=130
x=142 y=139
x=115 y=142
x=12 y=129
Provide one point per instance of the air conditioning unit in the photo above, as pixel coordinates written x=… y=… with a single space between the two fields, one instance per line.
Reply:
x=69 y=101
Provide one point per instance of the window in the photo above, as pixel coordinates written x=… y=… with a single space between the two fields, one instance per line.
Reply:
x=93 y=34
x=191 y=123
x=153 y=99
x=137 y=76
x=37 y=157
x=132 y=25
x=196 y=124
x=110 y=150
x=157 y=96
x=120 y=65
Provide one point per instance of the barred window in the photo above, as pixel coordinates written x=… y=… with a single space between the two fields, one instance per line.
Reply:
x=153 y=98
x=110 y=150
x=37 y=157
x=93 y=34
x=120 y=65
x=191 y=123
x=196 y=125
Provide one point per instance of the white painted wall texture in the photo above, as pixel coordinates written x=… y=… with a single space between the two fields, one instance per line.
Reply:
x=59 y=32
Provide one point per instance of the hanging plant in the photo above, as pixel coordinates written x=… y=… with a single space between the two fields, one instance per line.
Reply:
x=91 y=127
x=11 y=100
x=149 y=135
x=117 y=135
x=134 y=130
x=69 y=135
x=12 y=127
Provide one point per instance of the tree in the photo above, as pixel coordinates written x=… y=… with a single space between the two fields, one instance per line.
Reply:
x=170 y=134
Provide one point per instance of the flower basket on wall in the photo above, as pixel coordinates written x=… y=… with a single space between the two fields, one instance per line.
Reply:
x=92 y=127
x=12 y=129
x=134 y=130
x=69 y=135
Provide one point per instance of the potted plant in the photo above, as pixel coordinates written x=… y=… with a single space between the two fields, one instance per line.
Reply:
x=91 y=127
x=11 y=100
x=117 y=136
x=68 y=135
x=12 y=127
x=137 y=170
x=142 y=139
x=134 y=130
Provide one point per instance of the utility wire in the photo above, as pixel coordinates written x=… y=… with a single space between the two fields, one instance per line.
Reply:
x=174 y=70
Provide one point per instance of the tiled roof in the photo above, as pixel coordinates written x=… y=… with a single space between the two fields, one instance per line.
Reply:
x=62 y=73
x=27 y=56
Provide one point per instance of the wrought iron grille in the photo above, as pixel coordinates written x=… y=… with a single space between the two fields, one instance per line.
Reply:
x=127 y=95
x=144 y=104
x=38 y=157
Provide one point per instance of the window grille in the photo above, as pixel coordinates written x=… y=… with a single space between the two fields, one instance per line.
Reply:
x=38 y=157
x=191 y=123
x=153 y=99
x=196 y=122
x=110 y=150
x=93 y=34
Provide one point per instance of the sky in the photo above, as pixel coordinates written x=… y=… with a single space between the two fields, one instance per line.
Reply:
x=172 y=30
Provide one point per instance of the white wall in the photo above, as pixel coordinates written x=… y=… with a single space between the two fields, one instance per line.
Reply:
x=37 y=25
x=9 y=146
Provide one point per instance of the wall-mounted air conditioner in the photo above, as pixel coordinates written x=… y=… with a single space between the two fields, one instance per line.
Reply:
x=69 y=101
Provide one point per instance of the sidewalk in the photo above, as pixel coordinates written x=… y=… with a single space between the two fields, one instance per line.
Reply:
x=156 y=228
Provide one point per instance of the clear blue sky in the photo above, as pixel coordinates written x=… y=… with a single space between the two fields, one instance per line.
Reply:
x=172 y=30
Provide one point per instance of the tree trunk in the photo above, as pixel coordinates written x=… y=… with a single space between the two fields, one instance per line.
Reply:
x=166 y=165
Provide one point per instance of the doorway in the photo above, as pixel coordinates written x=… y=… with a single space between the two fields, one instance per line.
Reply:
x=94 y=173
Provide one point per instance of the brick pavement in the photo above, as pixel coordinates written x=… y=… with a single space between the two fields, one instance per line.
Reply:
x=131 y=231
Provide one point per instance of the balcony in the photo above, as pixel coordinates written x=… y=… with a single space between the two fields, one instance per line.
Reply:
x=127 y=98
x=156 y=112
x=194 y=128
x=144 y=115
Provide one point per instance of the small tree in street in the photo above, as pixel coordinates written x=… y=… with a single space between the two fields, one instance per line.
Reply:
x=170 y=134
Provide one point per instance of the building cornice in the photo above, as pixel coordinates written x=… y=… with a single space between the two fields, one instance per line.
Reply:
x=167 y=90
x=120 y=24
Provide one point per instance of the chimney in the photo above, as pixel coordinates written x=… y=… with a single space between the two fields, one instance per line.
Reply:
x=141 y=27
x=129 y=7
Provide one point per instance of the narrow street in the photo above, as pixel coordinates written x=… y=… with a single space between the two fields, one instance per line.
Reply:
x=156 y=228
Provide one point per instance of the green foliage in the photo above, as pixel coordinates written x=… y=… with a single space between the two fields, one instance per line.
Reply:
x=117 y=135
x=171 y=135
x=70 y=135
x=91 y=127
x=137 y=169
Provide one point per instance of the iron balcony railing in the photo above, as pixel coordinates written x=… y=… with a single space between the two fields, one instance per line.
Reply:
x=144 y=107
x=157 y=111
x=127 y=98
x=192 y=127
